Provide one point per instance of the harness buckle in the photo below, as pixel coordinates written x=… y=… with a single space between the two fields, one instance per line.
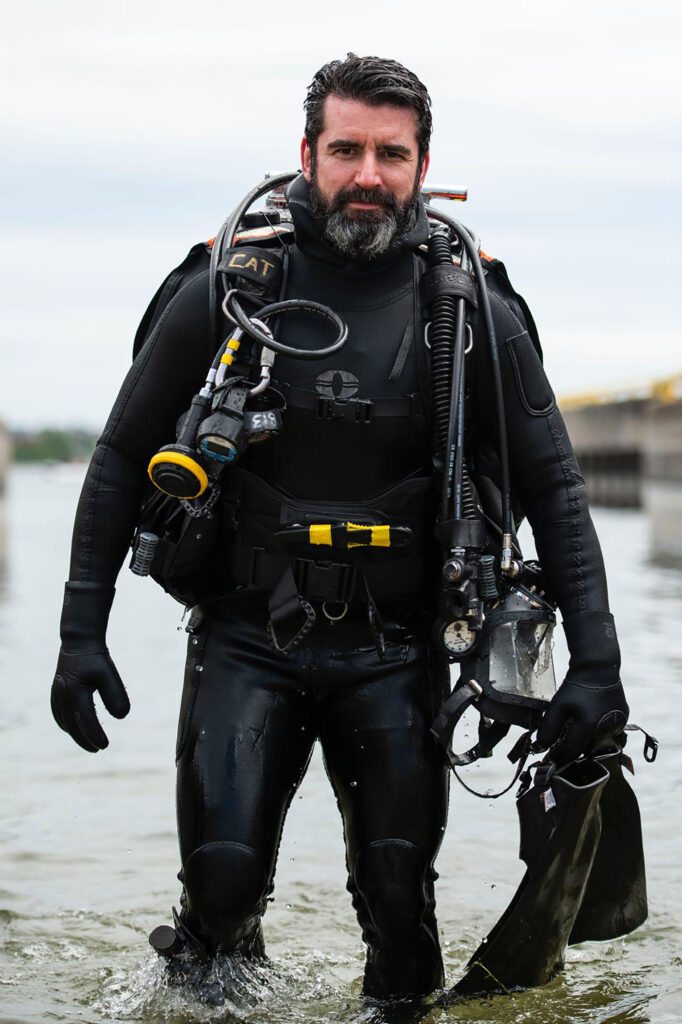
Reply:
x=333 y=582
x=352 y=410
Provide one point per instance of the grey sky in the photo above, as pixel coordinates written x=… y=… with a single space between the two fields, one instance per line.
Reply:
x=131 y=129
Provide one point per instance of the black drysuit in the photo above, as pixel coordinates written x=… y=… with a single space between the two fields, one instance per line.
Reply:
x=251 y=714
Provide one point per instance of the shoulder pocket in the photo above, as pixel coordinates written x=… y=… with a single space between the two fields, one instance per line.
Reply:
x=532 y=385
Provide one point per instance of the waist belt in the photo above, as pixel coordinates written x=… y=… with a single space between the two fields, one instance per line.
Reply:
x=328 y=581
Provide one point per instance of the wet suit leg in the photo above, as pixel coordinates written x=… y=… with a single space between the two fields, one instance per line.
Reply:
x=392 y=793
x=245 y=738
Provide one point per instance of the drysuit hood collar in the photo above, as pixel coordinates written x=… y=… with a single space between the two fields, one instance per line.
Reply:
x=309 y=236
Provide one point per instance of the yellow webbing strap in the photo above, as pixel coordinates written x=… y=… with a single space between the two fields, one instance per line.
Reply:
x=321 y=533
x=380 y=534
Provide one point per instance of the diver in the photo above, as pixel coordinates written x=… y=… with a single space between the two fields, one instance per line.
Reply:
x=304 y=518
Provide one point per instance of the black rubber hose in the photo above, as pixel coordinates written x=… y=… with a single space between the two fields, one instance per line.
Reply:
x=289 y=306
x=468 y=243
x=441 y=336
x=447 y=376
x=465 y=503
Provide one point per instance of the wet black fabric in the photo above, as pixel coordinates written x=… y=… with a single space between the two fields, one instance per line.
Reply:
x=249 y=719
x=250 y=716
x=545 y=475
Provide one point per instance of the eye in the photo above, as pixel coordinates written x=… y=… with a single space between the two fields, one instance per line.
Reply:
x=344 y=151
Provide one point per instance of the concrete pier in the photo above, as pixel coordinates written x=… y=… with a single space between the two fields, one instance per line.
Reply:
x=5 y=456
x=629 y=446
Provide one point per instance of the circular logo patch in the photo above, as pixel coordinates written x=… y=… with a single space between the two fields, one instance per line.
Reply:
x=337 y=384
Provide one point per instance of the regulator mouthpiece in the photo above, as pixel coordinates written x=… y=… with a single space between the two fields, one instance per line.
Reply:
x=175 y=471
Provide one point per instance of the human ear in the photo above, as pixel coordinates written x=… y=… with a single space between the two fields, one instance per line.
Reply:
x=306 y=159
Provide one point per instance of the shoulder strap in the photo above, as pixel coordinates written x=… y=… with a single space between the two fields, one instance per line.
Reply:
x=194 y=263
x=423 y=359
x=271 y=267
x=498 y=271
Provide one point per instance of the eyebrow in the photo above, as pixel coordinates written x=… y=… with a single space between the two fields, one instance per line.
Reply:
x=336 y=143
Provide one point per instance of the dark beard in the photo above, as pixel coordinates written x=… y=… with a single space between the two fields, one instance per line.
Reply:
x=364 y=234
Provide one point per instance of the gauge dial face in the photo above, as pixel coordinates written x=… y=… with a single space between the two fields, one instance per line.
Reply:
x=457 y=637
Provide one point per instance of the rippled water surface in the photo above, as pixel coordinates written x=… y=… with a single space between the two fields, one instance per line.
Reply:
x=88 y=842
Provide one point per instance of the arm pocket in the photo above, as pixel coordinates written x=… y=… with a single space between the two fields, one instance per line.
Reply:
x=534 y=392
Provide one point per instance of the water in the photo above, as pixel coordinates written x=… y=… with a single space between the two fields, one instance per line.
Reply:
x=88 y=841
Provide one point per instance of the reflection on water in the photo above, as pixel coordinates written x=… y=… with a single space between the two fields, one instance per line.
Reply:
x=89 y=844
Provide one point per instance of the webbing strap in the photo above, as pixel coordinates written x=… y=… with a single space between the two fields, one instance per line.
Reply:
x=291 y=617
x=462 y=697
x=353 y=410
x=402 y=353
x=448 y=280
x=319 y=581
x=333 y=582
x=263 y=268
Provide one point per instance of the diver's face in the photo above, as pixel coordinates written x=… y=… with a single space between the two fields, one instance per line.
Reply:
x=365 y=147
x=364 y=175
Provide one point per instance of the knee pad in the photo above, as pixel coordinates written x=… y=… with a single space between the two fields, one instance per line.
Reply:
x=393 y=880
x=226 y=890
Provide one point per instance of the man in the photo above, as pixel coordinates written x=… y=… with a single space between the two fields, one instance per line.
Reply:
x=362 y=674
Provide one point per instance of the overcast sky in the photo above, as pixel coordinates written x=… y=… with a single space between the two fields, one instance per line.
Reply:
x=130 y=130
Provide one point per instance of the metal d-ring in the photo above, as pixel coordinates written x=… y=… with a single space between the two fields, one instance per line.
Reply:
x=335 y=618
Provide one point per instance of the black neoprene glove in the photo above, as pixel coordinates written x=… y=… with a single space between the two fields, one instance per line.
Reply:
x=589 y=707
x=84 y=666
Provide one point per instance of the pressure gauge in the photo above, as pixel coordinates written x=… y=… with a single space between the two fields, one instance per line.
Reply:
x=457 y=638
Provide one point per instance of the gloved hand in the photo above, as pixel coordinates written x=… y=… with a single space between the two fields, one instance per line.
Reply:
x=84 y=666
x=589 y=707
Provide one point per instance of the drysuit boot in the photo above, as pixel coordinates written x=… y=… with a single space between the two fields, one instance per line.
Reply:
x=615 y=900
x=560 y=832
x=190 y=965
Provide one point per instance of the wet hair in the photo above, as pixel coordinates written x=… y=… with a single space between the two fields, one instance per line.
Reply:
x=372 y=80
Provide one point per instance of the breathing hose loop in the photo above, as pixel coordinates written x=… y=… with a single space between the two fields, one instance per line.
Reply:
x=472 y=253
x=232 y=307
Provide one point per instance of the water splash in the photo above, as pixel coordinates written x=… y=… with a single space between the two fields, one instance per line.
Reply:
x=229 y=989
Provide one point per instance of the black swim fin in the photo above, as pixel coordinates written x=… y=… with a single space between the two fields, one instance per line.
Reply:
x=560 y=833
x=615 y=900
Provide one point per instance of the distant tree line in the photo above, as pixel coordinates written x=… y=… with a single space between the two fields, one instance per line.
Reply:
x=51 y=445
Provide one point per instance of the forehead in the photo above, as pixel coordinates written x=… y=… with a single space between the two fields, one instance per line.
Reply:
x=354 y=120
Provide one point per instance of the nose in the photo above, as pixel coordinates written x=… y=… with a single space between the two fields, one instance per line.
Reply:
x=368 y=174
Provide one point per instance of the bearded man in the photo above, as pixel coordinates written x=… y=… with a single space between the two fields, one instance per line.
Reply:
x=361 y=674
